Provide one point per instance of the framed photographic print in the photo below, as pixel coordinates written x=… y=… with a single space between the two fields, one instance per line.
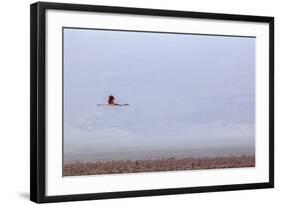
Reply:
x=129 y=102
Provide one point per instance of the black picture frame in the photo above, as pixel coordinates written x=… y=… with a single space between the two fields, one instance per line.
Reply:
x=38 y=101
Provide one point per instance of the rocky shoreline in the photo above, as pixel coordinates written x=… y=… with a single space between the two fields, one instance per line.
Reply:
x=169 y=164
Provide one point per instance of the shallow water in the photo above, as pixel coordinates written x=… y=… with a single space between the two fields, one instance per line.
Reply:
x=138 y=154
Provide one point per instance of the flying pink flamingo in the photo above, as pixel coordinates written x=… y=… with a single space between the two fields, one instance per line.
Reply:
x=111 y=102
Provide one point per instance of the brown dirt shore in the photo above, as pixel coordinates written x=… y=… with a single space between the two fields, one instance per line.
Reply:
x=170 y=164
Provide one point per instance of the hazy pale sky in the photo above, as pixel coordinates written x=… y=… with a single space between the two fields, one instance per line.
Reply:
x=183 y=90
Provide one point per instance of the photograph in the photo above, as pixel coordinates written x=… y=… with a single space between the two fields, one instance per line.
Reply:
x=134 y=102
x=149 y=101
